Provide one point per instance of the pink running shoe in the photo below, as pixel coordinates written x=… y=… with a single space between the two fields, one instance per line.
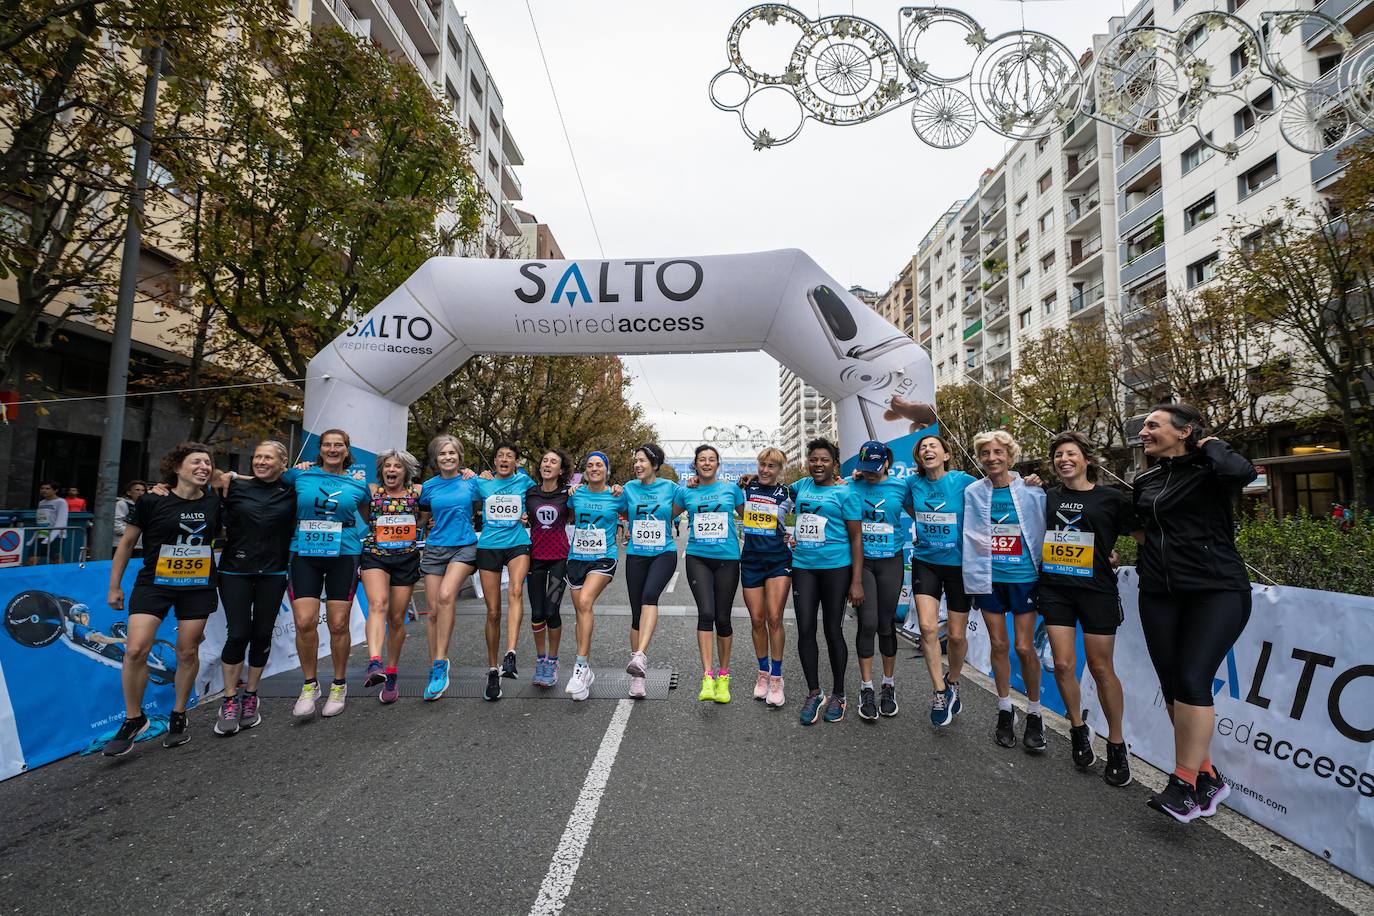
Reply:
x=638 y=666
x=761 y=686
x=637 y=688
x=775 y=698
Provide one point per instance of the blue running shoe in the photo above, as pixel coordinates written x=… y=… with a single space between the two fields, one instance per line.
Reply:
x=956 y=705
x=811 y=708
x=940 y=714
x=438 y=680
x=834 y=710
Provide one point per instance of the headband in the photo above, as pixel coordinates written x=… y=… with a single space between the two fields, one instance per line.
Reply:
x=604 y=460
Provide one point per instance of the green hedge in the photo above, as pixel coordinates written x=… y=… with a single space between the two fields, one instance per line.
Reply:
x=1301 y=551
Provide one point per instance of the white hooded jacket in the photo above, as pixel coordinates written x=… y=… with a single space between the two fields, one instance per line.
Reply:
x=1030 y=510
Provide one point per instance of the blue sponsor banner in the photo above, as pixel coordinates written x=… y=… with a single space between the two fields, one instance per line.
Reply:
x=62 y=651
x=731 y=469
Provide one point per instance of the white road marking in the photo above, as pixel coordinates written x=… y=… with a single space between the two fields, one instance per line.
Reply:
x=558 y=881
x=672 y=584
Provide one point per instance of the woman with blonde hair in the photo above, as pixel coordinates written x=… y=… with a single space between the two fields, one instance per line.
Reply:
x=391 y=565
x=450 y=555
x=766 y=569
x=1004 y=527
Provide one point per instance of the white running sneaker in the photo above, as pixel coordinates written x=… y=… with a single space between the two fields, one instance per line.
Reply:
x=580 y=684
x=335 y=703
x=638 y=666
x=761 y=686
x=305 y=704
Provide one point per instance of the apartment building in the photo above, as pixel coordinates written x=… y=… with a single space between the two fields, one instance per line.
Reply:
x=1092 y=222
x=433 y=36
x=536 y=240
x=803 y=414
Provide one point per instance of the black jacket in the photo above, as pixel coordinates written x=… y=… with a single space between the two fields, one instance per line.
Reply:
x=1185 y=506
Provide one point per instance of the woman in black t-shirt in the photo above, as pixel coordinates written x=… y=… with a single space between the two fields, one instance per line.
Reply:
x=178 y=573
x=1078 y=588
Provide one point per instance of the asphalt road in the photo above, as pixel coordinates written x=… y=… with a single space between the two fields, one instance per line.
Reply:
x=461 y=806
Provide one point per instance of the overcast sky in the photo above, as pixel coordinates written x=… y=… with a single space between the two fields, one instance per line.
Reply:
x=667 y=174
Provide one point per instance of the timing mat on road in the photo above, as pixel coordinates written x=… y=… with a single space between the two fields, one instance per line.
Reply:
x=470 y=683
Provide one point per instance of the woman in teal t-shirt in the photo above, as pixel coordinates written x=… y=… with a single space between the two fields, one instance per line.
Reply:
x=827 y=566
x=650 y=556
x=595 y=513
x=712 y=564
x=503 y=544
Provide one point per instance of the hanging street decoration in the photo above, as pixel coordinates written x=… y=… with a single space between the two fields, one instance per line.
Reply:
x=1025 y=84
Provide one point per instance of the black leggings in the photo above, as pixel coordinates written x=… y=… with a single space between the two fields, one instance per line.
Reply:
x=251 y=604
x=544 y=585
x=882 y=590
x=646 y=578
x=714 y=583
x=1188 y=636
x=822 y=589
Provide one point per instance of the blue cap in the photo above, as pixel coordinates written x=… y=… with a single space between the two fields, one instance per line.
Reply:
x=872 y=454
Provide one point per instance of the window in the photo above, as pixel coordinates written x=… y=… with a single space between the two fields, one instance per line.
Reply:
x=1041 y=144
x=1200 y=212
x=476 y=89
x=452 y=41
x=1240 y=59
x=1199 y=272
x=1023 y=318
x=1046 y=180
x=1328 y=63
x=1196 y=154
x=1019 y=168
x=1252 y=242
x=1233 y=5
x=1021 y=204
x=1261 y=176
x=1046 y=221
x=1261 y=107
x=1049 y=303
x=1047 y=262
x=1193 y=39
x=1023 y=280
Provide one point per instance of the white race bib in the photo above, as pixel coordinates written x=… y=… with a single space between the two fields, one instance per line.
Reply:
x=588 y=543
x=649 y=533
x=502 y=510
x=810 y=529
x=710 y=527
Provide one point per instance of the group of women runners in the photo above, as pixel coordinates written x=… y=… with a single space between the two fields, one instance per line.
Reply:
x=1000 y=543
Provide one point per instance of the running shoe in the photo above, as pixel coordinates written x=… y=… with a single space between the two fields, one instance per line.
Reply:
x=722 y=688
x=761 y=686
x=541 y=668
x=868 y=705
x=390 y=692
x=306 y=702
x=438 y=680
x=375 y=675
x=338 y=693
x=637 y=689
x=1211 y=792
x=249 y=717
x=775 y=692
x=1033 y=734
x=834 y=708
x=227 y=722
x=177 y=732
x=1178 y=800
x=638 y=665
x=553 y=671
x=1006 y=728
x=493 y=690
x=123 y=740
x=1081 y=737
x=707 y=693
x=887 y=700
x=1117 y=773
x=940 y=712
x=956 y=705
x=580 y=684
x=811 y=709
x=508 y=666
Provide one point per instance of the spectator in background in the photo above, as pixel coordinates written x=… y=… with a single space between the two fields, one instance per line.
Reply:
x=75 y=501
x=124 y=507
x=50 y=523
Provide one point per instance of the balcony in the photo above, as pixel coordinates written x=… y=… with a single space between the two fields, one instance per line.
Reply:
x=973 y=329
x=967 y=266
x=392 y=35
x=1145 y=157
x=994 y=215
x=341 y=14
x=1140 y=266
x=997 y=311
x=420 y=23
x=1314 y=31
x=1001 y=382
x=1326 y=167
x=1087 y=299
x=510 y=185
x=1081 y=254
x=998 y=241
x=1085 y=208
x=998 y=349
x=1084 y=171
x=971 y=301
x=996 y=284
x=1073 y=131
x=1144 y=211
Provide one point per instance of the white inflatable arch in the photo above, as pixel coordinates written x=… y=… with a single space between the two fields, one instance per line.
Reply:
x=781 y=302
